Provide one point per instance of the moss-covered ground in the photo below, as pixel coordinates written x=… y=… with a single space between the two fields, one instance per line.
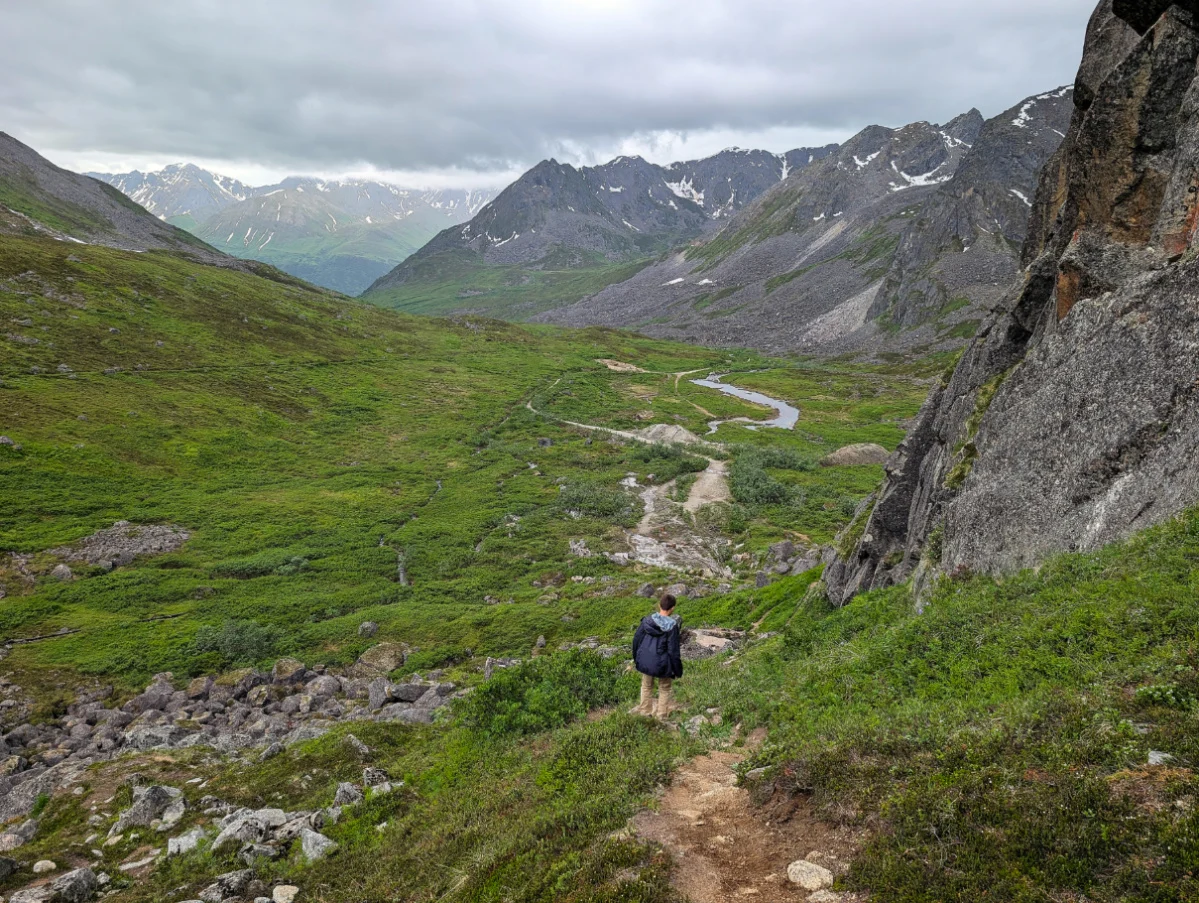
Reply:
x=995 y=746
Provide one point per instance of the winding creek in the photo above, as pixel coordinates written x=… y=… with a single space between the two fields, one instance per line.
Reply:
x=786 y=415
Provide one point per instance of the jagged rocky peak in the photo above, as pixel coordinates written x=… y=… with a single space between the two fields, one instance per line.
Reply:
x=967 y=238
x=180 y=189
x=1072 y=419
x=626 y=208
x=874 y=245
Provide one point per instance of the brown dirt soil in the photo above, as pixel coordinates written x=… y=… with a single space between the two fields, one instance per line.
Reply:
x=711 y=486
x=728 y=850
x=619 y=366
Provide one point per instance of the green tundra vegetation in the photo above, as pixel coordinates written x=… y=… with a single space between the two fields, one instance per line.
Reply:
x=456 y=281
x=336 y=463
x=312 y=445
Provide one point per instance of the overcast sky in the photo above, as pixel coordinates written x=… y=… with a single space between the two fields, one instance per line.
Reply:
x=472 y=92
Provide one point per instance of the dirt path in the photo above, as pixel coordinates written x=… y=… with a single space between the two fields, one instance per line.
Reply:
x=665 y=536
x=711 y=486
x=726 y=849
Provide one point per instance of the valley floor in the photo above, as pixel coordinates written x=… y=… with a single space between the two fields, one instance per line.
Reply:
x=421 y=525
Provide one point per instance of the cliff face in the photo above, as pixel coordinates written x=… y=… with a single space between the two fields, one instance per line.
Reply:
x=1072 y=419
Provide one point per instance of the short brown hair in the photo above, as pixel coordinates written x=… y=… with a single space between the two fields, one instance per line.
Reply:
x=667 y=602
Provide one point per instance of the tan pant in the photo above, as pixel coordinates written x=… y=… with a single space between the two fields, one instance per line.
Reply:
x=665 y=697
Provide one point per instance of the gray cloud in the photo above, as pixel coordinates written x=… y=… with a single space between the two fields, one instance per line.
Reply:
x=485 y=85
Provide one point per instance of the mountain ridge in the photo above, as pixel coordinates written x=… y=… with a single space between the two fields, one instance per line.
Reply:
x=859 y=252
x=565 y=217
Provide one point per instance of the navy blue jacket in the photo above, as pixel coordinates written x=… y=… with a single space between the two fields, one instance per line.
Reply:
x=656 y=651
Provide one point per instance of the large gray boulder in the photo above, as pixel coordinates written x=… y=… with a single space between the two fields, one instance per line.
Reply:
x=185 y=842
x=152 y=803
x=21 y=799
x=315 y=846
x=155 y=697
x=1072 y=419
x=77 y=886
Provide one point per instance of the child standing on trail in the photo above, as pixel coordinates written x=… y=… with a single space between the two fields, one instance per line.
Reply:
x=656 y=653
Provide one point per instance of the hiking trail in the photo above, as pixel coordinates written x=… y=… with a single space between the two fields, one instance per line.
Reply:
x=728 y=850
x=667 y=535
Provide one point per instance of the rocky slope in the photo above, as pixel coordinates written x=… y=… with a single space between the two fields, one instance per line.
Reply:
x=1073 y=417
x=339 y=234
x=557 y=216
x=898 y=239
x=40 y=197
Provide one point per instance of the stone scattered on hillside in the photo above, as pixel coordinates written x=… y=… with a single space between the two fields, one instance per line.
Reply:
x=491 y=665
x=315 y=846
x=228 y=886
x=285 y=893
x=825 y=896
x=42 y=866
x=76 y=886
x=706 y=642
x=123 y=542
x=856 y=456
x=154 y=803
x=186 y=842
x=347 y=795
x=367 y=629
x=287 y=670
x=61 y=572
x=382 y=658
x=809 y=875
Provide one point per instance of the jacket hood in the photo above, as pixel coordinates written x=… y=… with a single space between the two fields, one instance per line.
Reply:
x=652 y=626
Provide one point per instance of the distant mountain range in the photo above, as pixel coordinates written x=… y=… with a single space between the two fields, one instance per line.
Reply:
x=560 y=232
x=900 y=240
x=339 y=234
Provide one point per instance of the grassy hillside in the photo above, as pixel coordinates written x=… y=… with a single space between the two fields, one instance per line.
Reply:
x=994 y=746
x=311 y=444
x=457 y=281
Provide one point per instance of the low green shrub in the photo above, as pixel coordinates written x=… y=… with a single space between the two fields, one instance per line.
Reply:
x=595 y=500
x=238 y=642
x=540 y=694
x=666 y=462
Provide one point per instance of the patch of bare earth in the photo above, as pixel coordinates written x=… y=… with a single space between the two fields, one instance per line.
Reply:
x=619 y=366
x=710 y=487
x=727 y=849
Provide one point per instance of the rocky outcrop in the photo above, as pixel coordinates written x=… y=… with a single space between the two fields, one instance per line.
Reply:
x=238 y=710
x=1072 y=419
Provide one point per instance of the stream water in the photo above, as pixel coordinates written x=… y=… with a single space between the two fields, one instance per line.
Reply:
x=787 y=415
